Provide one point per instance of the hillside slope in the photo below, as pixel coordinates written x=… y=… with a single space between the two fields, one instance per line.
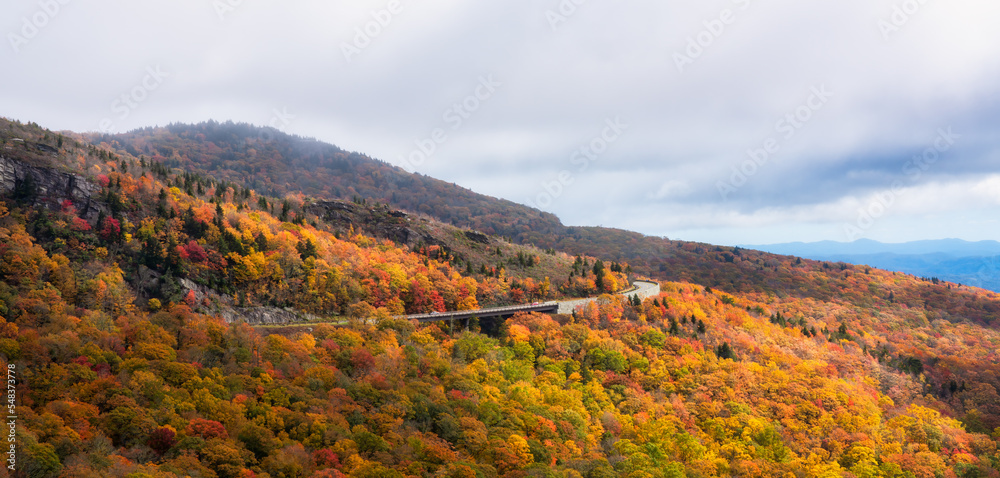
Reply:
x=278 y=164
x=223 y=247
x=275 y=163
x=782 y=367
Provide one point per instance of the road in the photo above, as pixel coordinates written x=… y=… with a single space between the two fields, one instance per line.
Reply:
x=643 y=289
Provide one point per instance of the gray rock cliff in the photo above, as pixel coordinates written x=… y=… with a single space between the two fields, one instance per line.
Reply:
x=50 y=186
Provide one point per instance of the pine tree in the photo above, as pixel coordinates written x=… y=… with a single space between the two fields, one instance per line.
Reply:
x=724 y=351
x=151 y=253
x=25 y=190
x=598 y=268
x=173 y=260
x=306 y=249
x=285 y=208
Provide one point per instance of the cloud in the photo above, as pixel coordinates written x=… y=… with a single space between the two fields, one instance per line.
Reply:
x=672 y=189
x=753 y=64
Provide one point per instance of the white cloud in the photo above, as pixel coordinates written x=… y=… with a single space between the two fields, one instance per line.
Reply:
x=687 y=129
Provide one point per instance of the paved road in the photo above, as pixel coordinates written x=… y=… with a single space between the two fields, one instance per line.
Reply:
x=641 y=288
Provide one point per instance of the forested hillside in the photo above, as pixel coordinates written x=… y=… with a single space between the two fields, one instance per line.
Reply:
x=275 y=163
x=116 y=268
x=176 y=233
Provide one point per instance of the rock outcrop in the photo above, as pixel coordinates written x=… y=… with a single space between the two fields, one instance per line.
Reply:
x=378 y=220
x=213 y=303
x=265 y=315
x=45 y=185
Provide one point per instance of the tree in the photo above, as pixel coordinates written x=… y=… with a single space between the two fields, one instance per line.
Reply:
x=41 y=460
x=598 y=268
x=307 y=249
x=724 y=351
x=25 y=190
x=206 y=429
x=223 y=458
x=151 y=253
x=162 y=439
x=513 y=455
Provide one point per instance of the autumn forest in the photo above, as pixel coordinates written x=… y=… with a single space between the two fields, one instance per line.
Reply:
x=227 y=301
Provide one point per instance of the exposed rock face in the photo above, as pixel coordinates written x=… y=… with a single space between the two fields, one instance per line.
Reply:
x=264 y=315
x=477 y=237
x=379 y=221
x=50 y=186
x=205 y=294
x=222 y=305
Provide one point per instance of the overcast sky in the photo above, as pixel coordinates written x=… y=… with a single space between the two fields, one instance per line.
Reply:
x=634 y=114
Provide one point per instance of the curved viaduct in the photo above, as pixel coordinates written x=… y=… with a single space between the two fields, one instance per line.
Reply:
x=643 y=289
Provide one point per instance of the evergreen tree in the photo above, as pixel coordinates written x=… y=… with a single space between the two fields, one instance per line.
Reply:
x=152 y=253
x=25 y=190
x=173 y=257
x=724 y=351
x=285 y=208
x=307 y=249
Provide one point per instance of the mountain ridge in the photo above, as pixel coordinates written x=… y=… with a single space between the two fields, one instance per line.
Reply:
x=952 y=246
x=964 y=262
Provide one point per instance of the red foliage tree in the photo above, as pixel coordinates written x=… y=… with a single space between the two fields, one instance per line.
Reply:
x=206 y=429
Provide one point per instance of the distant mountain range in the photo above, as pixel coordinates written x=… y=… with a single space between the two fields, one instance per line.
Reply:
x=954 y=260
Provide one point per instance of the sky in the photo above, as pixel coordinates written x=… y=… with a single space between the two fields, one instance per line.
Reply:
x=721 y=121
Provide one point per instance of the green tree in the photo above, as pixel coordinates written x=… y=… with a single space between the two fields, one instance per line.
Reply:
x=25 y=190
x=724 y=351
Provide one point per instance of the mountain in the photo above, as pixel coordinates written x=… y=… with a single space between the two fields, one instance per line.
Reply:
x=274 y=163
x=278 y=164
x=180 y=234
x=950 y=247
x=955 y=260
x=127 y=283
